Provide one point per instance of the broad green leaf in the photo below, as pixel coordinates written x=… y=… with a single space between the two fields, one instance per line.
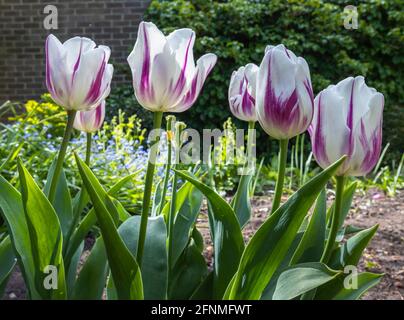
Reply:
x=302 y=278
x=188 y=274
x=154 y=264
x=45 y=234
x=7 y=262
x=311 y=246
x=71 y=270
x=63 y=202
x=184 y=222
x=228 y=241
x=205 y=289
x=352 y=290
x=241 y=202
x=13 y=213
x=351 y=251
x=92 y=278
x=90 y=219
x=124 y=268
x=269 y=245
x=269 y=291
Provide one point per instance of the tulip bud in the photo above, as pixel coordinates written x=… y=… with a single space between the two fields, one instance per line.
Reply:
x=78 y=75
x=284 y=93
x=165 y=78
x=90 y=121
x=348 y=121
x=242 y=92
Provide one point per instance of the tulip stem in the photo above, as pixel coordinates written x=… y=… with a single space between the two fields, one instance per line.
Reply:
x=335 y=219
x=62 y=153
x=148 y=187
x=88 y=148
x=283 y=153
x=170 y=122
x=250 y=143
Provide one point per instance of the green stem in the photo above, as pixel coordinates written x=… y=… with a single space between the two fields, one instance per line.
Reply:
x=283 y=152
x=170 y=121
x=88 y=148
x=148 y=188
x=171 y=216
x=62 y=153
x=335 y=220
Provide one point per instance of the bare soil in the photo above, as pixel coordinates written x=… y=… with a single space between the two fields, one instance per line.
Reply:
x=385 y=254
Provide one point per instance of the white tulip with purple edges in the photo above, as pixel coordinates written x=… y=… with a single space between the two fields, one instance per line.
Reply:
x=78 y=75
x=284 y=102
x=242 y=93
x=90 y=121
x=284 y=93
x=348 y=121
x=165 y=78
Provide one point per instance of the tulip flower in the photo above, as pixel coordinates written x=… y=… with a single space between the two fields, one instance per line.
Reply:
x=165 y=79
x=90 y=121
x=78 y=75
x=284 y=93
x=347 y=121
x=284 y=102
x=78 y=78
x=242 y=92
x=242 y=97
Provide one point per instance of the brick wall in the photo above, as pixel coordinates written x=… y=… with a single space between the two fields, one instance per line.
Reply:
x=22 y=37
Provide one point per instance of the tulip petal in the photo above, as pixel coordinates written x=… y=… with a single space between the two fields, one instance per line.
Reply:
x=203 y=67
x=150 y=42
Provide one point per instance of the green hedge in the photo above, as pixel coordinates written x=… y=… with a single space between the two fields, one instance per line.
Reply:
x=238 y=31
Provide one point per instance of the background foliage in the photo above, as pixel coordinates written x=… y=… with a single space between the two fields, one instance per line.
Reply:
x=238 y=31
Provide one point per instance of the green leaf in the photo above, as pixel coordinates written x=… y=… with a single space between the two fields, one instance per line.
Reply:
x=92 y=278
x=241 y=202
x=228 y=241
x=269 y=291
x=7 y=262
x=335 y=290
x=12 y=155
x=71 y=270
x=184 y=222
x=154 y=264
x=188 y=274
x=302 y=278
x=311 y=246
x=62 y=203
x=351 y=251
x=45 y=234
x=271 y=242
x=124 y=268
x=90 y=218
x=13 y=213
x=205 y=289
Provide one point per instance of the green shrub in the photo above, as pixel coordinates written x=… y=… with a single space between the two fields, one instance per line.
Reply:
x=238 y=31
